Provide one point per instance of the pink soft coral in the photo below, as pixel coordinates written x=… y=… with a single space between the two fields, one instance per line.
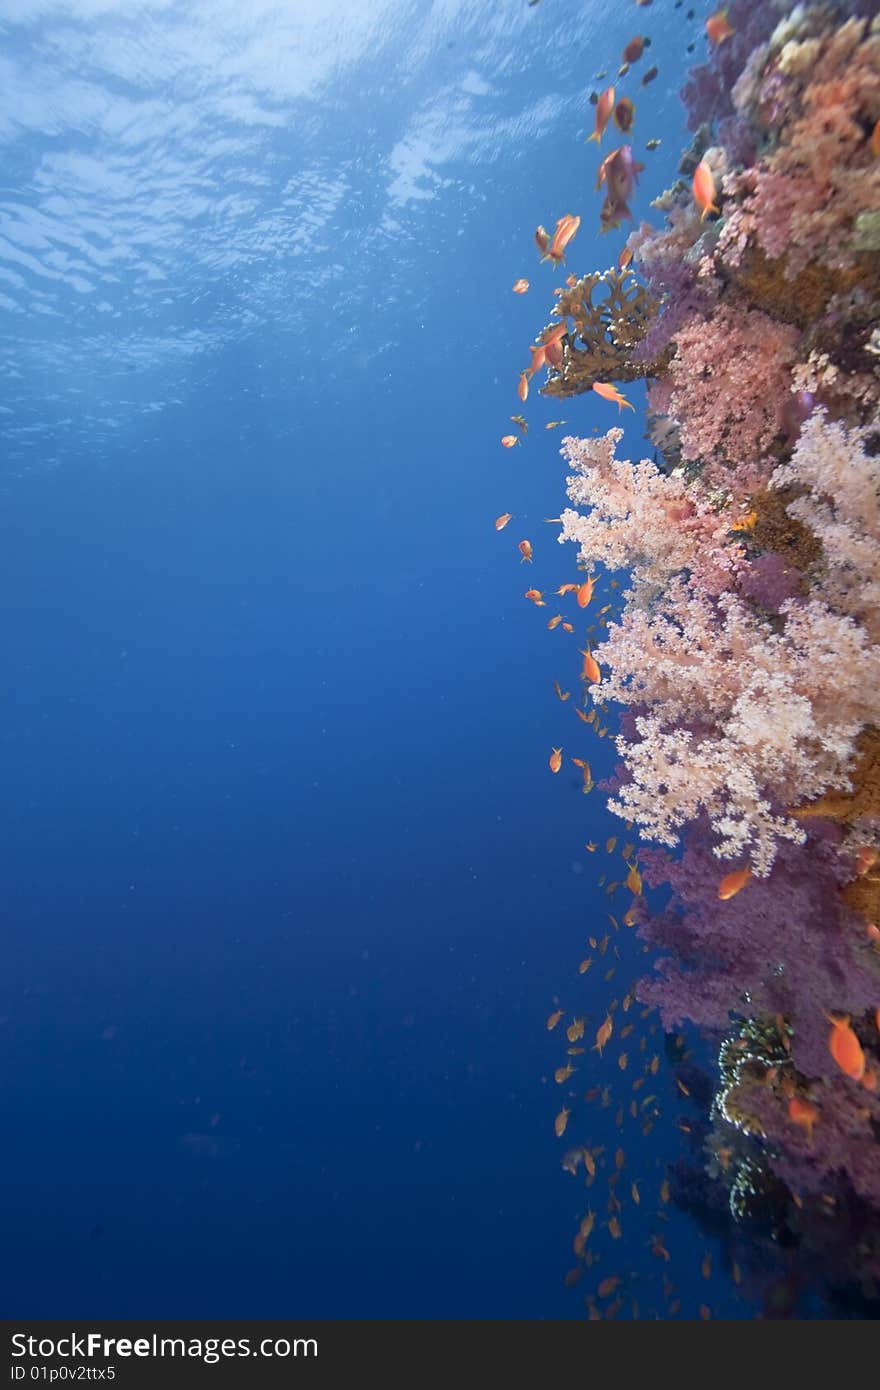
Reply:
x=727 y=387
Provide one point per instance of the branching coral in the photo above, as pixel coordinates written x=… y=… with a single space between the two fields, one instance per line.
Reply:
x=605 y=332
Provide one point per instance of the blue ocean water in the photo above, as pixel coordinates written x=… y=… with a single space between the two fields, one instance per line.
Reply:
x=288 y=890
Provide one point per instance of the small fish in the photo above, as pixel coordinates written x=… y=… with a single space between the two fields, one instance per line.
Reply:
x=611 y=393
x=604 y=108
x=634 y=881
x=502 y=520
x=802 y=1112
x=653 y=144
x=733 y=883
x=525 y=549
x=845 y=1047
x=624 y=115
x=649 y=77
x=590 y=847
x=622 y=1061
x=575 y=1030
x=590 y=672
x=717 y=27
x=554 y=622
x=614 y=1228
x=554 y=1019
x=554 y=424
x=566 y=228
x=522 y=389
x=508 y=441
x=542 y=240
x=520 y=286
x=664 y=1191
x=567 y=627
x=584 y=594
x=704 y=190
x=585 y=965
x=521 y=421
x=555 y=760
x=625 y=257
x=603 y=1034
x=535 y=596
x=589 y=1163
x=607 y=1286
x=706 y=1266
x=567 y=589
x=585 y=1230
x=611 y=844
x=561 y=1074
x=562 y=694
x=635 y=48
x=659 y=1249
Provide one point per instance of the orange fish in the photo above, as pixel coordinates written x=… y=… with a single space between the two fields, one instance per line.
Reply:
x=624 y=114
x=534 y=596
x=704 y=189
x=502 y=520
x=525 y=550
x=542 y=240
x=575 y=1030
x=567 y=589
x=522 y=389
x=561 y=1074
x=520 y=286
x=802 y=1113
x=559 y=1124
x=614 y=1228
x=731 y=884
x=563 y=694
x=604 y=107
x=554 y=1019
x=717 y=27
x=845 y=1047
x=608 y=1285
x=554 y=622
x=604 y=1033
x=567 y=627
x=611 y=393
x=589 y=1163
x=566 y=228
x=584 y=594
x=590 y=672
x=624 y=258
x=706 y=1267
x=635 y=48
x=555 y=762
x=634 y=880
x=508 y=440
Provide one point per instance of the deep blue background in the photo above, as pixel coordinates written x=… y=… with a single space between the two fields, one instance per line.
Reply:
x=288 y=890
